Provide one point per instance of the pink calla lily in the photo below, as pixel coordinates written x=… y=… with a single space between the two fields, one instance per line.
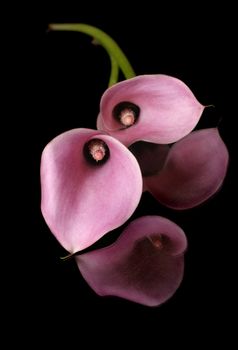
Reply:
x=153 y=108
x=82 y=201
x=193 y=171
x=144 y=265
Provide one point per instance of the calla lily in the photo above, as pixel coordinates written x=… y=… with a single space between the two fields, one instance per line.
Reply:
x=160 y=109
x=144 y=265
x=193 y=171
x=90 y=184
x=153 y=108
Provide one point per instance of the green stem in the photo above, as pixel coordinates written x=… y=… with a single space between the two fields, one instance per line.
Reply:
x=114 y=71
x=118 y=58
x=114 y=67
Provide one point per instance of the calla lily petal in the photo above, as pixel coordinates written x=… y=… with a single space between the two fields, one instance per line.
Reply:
x=165 y=110
x=99 y=123
x=144 y=265
x=194 y=170
x=82 y=201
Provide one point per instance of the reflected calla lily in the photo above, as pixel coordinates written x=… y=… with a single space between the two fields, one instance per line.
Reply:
x=90 y=184
x=154 y=108
x=193 y=171
x=144 y=265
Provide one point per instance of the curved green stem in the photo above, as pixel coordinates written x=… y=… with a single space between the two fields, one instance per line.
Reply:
x=114 y=67
x=118 y=58
x=114 y=71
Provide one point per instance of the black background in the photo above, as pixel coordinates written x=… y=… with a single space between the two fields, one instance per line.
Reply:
x=62 y=78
